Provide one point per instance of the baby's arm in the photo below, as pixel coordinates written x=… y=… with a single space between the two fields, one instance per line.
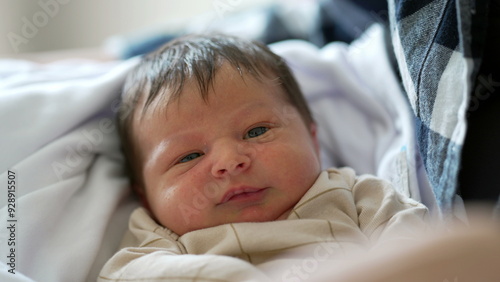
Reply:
x=155 y=264
x=152 y=253
x=384 y=214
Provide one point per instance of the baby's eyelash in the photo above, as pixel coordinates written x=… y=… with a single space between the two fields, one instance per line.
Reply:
x=256 y=131
x=190 y=157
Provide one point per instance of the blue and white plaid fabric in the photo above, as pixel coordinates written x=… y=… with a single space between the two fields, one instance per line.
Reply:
x=434 y=47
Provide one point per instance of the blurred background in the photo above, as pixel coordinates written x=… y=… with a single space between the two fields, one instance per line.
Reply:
x=125 y=28
x=45 y=25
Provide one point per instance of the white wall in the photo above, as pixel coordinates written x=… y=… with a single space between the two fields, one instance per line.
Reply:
x=45 y=25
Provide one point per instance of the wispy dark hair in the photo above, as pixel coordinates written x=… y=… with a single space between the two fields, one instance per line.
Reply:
x=197 y=58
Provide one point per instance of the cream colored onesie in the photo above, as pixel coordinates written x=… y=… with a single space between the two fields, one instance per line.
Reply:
x=340 y=215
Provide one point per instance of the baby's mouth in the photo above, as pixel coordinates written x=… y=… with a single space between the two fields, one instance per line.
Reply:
x=243 y=194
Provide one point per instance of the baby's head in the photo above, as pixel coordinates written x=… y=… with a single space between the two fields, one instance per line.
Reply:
x=216 y=130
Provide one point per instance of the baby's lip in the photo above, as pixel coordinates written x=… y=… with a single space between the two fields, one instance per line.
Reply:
x=232 y=192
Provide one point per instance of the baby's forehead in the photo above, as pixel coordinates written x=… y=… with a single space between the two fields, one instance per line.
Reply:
x=171 y=94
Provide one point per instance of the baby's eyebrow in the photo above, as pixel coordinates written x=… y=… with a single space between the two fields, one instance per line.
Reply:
x=250 y=108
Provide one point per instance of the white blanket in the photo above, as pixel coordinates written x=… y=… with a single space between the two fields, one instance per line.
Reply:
x=72 y=199
x=58 y=137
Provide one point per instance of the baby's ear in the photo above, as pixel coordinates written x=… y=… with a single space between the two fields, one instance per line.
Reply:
x=313 y=129
x=141 y=193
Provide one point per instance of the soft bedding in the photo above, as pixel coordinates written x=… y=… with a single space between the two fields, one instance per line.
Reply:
x=72 y=197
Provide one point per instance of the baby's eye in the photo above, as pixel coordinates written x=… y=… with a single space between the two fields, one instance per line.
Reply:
x=190 y=157
x=257 y=131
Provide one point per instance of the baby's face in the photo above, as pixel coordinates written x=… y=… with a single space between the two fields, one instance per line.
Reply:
x=245 y=155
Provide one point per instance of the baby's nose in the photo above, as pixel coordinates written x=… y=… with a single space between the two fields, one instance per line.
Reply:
x=230 y=159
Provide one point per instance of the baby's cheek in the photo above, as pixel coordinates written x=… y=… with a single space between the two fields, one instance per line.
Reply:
x=187 y=211
x=176 y=217
x=165 y=205
x=301 y=169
